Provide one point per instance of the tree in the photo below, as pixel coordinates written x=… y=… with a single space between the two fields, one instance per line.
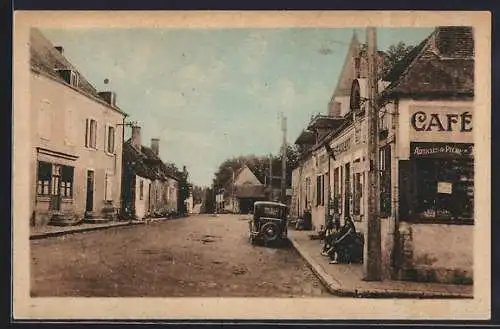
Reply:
x=393 y=55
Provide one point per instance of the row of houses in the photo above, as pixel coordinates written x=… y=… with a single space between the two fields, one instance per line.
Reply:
x=426 y=163
x=80 y=165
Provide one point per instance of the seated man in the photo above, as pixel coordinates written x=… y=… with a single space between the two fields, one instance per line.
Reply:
x=328 y=235
x=347 y=231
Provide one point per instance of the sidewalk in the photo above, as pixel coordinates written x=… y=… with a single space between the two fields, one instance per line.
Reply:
x=347 y=279
x=40 y=232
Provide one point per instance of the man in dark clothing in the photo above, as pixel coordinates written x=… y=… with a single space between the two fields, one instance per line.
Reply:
x=342 y=237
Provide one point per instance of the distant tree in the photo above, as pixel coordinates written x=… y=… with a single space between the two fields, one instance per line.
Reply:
x=259 y=165
x=184 y=190
x=208 y=205
x=197 y=194
x=391 y=56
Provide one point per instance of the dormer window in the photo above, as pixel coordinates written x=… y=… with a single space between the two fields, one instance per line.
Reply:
x=74 y=79
x=70 y=77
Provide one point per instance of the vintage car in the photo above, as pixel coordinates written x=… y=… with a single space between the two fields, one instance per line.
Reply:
x=268 y=223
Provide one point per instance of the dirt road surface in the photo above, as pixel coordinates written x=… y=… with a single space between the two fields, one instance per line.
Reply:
x=197 y=256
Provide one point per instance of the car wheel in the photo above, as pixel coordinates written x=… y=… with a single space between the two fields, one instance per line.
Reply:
x=270 y=232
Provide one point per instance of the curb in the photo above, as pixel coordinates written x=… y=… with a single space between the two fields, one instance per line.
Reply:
x=77 y=230
x=334 y=286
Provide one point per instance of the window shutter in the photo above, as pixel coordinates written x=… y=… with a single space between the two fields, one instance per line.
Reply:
x=109 y=187
x=86 y=132
x=106 y=136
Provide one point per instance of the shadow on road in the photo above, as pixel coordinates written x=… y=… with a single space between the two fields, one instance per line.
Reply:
x=283 y=244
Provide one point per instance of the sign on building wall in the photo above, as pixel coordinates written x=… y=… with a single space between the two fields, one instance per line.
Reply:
x=343 y=146
x=439 y=150
x=440 y=123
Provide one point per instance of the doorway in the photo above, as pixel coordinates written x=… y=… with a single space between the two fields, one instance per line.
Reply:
x=55 y=195
x=89 y=206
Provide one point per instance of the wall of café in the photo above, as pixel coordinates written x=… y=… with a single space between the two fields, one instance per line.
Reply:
x=429 y=251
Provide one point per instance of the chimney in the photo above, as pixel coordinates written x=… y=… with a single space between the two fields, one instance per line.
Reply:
x=155 y=146
x=60 y=49
x=109 y=97
x=334 y=110
x=357 y=67
x=136 y=137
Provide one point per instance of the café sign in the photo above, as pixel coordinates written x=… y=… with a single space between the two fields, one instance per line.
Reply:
x=439 y=150
x=445 y=121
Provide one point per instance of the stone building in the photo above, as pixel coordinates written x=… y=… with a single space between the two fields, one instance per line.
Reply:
x=149 y=190
x=76 y=137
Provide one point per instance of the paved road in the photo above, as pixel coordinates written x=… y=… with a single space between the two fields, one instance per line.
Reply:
x=198 y=256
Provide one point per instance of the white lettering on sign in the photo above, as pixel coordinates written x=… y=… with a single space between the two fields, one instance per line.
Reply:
x=441 y=149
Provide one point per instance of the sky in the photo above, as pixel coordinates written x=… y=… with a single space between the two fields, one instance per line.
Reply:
x=214 y=94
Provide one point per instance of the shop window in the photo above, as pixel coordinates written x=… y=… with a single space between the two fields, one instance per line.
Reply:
x=67 y=174
x=437 y=190
x=44 y=178
x=385 y=181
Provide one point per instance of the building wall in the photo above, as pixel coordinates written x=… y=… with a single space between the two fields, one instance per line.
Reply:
x=142 y=203
x=432 y=252
x=58 y=123
x=246 y=176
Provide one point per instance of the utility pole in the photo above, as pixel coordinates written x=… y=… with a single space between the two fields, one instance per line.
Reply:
x=372 y=264
x=232 y=191
x=283 y=160
x=271 y=177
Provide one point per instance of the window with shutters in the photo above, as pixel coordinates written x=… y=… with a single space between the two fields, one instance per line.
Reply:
x=45 y=120
x=110 y=139
x=108 y=195
x=91 y=133
x=357 y=191
x=69 y=128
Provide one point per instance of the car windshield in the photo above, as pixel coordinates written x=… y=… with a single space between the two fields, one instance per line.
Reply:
x=270 y=211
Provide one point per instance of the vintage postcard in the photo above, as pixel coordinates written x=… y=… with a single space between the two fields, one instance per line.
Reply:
x=251 y=165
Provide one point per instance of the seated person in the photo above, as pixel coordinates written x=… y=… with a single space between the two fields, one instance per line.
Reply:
x=328 y=235
x=347 y=231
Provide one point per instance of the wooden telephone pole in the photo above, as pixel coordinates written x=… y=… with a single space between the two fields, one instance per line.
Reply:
x=271 y=177
x=372 y=263
x=283 y=160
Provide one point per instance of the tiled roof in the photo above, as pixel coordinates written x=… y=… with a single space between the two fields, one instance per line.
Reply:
x=442 y=65
x=145 y=163
x=46 y=59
